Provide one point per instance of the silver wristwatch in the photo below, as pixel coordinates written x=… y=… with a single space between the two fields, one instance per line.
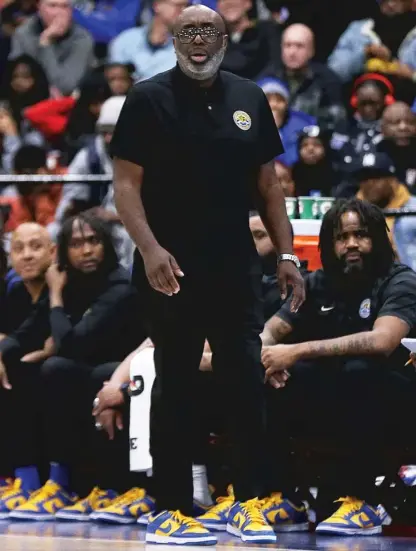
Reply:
x=290 y=257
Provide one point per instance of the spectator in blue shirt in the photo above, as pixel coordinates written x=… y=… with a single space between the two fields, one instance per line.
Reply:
x=150 y=47
x=106 y=19
x=290 y=123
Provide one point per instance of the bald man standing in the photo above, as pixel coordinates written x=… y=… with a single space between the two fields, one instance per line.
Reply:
x=191 y=148
x=314 y=89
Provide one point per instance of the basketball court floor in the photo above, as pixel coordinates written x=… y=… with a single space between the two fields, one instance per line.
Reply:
x=54 y=536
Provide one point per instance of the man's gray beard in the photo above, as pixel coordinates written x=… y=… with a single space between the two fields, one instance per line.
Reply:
x=205 y=71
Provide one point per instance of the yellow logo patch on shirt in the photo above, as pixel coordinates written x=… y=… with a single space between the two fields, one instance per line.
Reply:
x=242 y=120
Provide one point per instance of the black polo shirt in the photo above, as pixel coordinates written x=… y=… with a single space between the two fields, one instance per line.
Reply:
x=201 y=150
x=326 y=314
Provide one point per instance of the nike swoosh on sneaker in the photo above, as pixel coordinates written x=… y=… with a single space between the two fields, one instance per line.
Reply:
x=167 y=529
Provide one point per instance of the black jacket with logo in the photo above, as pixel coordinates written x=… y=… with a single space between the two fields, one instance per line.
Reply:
x=327 y=314
x=96 y=325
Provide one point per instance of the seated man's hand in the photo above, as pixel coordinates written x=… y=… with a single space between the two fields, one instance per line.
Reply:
x=206 y=362
x=109 y=419
x=278 y=358
x=413 y=359
x=110 y=396
x=379 y=51
x=41 y=355
x=4 y=380
x=404 y=71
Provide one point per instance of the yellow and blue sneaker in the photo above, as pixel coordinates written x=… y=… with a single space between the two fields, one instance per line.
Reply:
x=198 y=509
x=247 y=521
x=6 y=484
x=216 y=517
x=80 y=512
x=353 y=518
x=12 y=498
x=173 y=527
x=145 y=519
x=126 y=509
x=285 y=516
x=44 y=503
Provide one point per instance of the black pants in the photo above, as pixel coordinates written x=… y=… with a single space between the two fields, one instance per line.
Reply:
x=50 y=419
x=226 y=308
x=355 y=404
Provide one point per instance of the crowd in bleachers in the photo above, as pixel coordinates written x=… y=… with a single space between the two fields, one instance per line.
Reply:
x=341 y=83
x=336 y=93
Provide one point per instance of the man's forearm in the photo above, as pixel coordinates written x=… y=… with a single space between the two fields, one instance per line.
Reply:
x=275 y=330
x=122 y=374
x=358 y=344
x=56 y=300
x=273 y=211
x=131 y=211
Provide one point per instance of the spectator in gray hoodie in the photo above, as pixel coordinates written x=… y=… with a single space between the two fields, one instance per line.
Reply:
x=63 y=48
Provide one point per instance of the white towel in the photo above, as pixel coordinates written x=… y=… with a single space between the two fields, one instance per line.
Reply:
x=142 y=372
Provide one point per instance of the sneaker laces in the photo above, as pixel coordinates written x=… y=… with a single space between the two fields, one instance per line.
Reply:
x=6 y=483
x=47 y=491
x=15 y=488
x=188 y=521
x=252 y=508
x=274 y=499
x=222 y=504
x=349 y=505
x=129 y=497
x=92 y=496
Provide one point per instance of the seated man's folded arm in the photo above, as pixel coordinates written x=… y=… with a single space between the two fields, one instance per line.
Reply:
x=383 y=339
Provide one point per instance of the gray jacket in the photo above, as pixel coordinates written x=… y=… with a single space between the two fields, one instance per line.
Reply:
x=65 y=61
x=348 y=58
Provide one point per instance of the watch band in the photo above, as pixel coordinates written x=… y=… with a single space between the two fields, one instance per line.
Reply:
x=289 y=257
x=125 y=389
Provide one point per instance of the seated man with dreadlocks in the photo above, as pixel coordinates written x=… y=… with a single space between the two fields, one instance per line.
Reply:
x=344 y=361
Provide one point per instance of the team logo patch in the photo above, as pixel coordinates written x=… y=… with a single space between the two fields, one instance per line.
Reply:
x=365 y=308
x=242 y=120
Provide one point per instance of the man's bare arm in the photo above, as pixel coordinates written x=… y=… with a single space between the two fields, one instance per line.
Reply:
x=161 y=267
x=383 y=339
x=122 y=373
x=274 y=331
x=272 y=209
x=128 y=179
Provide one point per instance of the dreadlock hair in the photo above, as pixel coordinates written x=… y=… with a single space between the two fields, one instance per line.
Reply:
x=372 y=218
x=100 y=228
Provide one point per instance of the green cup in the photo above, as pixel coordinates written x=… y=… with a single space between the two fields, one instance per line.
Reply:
x=308 y=209
x=291 y=203
x=323 y=204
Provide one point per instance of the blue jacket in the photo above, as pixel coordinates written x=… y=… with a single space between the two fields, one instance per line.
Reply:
x=289 y=132
x=108 y=19
x=348 y=58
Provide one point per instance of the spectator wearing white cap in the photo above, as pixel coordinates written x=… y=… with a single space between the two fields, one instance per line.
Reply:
x=95 y=159
x=289 y=122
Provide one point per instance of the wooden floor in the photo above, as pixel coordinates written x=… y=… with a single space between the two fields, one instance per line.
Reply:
x=56 y=536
